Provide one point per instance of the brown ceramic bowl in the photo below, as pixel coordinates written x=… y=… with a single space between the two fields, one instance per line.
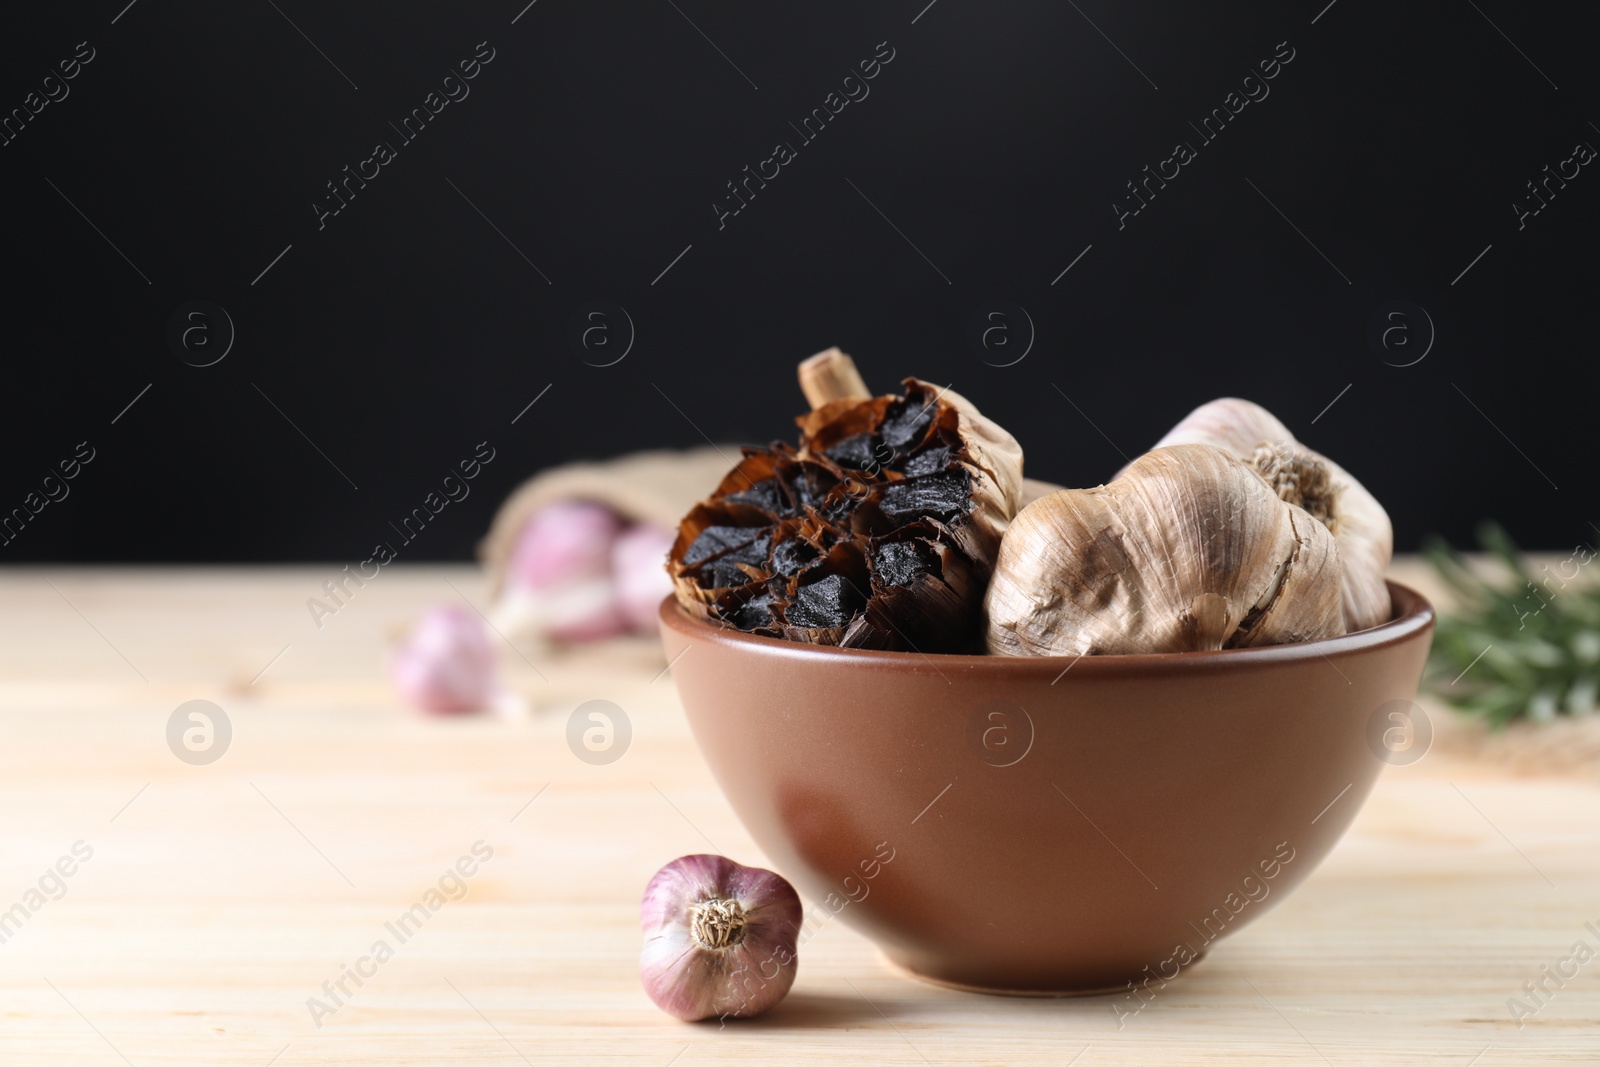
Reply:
x=1046 y=825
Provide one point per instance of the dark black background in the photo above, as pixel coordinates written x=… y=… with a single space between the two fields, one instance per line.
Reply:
x=408 y=330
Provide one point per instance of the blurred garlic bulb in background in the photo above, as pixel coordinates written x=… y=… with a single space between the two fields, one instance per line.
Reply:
x=558 y=580
x=446 y=664
x=637 y=558
x=562 y=542
x=1188 y=549
x=576 y=552
x=1302 y=476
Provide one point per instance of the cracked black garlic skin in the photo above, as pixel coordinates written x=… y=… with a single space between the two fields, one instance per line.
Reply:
x=1188 y=549
x=879 y=531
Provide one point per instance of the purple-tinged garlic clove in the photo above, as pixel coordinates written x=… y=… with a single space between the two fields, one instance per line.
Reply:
x=446 y=664
x=719 y=938
x=1359 y=525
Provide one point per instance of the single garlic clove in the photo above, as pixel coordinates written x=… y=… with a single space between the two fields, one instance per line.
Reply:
x=1188 y=549
x=564 y=542
x=719 y=938
x=636 y=569
x=1302 y=476
x=446 y=664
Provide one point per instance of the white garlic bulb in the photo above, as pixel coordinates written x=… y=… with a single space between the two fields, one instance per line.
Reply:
x=1302 y=476
x=1187 y=549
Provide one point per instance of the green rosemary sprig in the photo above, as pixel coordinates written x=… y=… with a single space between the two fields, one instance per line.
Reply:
x=1523 y=645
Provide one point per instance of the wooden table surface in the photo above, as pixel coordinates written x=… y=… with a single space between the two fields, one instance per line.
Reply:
x=219 y=899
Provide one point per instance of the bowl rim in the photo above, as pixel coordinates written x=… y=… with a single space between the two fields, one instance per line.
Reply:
x=1412 y=615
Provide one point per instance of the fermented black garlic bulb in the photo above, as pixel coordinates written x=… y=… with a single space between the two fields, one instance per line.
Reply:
x=879 y=531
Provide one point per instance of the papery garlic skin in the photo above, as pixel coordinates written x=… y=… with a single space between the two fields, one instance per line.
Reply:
x=719 y=938
x=995 y=453
x=1359 y=524
x=1188 y=549
x=446 y=664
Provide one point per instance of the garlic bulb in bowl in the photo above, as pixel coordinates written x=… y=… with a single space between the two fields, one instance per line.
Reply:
x=1302 y=476
x=1188 y=549
x=877 y=532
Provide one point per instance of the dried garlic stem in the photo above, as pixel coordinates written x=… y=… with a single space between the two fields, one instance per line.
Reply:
x=829 y=376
